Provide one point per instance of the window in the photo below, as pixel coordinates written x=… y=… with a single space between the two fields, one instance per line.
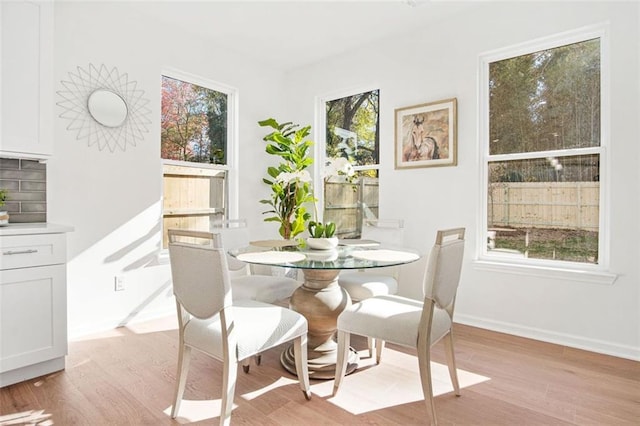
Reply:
x=543 y=155
x=195 y=135
x=352 y=132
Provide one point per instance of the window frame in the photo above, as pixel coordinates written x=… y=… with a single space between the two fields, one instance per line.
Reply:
x=320 y=136
x=596 y=273
x=231 y=168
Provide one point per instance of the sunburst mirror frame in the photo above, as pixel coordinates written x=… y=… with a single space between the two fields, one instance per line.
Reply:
x=82 y=90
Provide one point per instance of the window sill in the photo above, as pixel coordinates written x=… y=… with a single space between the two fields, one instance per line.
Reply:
x=580 y=275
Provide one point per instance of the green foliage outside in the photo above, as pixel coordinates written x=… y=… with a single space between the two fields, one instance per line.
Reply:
x=548 y=100
x=353 y=129
x=561 y=244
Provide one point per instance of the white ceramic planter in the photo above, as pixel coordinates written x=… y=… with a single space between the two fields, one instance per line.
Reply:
x=4 y=218
x=322 y=243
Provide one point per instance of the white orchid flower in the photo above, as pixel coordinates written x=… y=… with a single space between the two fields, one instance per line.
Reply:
x=300 y=176
x=338 y=166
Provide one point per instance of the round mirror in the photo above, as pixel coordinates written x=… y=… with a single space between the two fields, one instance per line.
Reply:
x=107 y=108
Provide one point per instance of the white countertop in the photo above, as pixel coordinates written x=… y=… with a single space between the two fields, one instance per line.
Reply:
x=33 y=228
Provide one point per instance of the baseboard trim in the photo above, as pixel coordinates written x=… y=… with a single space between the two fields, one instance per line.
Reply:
x=29 y=372
x=113 y=323
x=592 y=345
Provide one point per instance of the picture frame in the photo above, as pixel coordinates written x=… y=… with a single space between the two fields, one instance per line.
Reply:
x=426 y=135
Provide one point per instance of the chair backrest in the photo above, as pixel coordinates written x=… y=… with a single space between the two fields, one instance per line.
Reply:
x=234 y=234
x=201 y=282
x=194 y=237
x=443 y=270
x=386 y=231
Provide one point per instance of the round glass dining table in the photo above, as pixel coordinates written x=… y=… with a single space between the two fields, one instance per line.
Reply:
x=320 y=299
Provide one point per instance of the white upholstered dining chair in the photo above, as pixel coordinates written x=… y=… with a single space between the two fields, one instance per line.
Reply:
x=251 y=281
x=409 y=322
x=366 y=283
x=212 y=322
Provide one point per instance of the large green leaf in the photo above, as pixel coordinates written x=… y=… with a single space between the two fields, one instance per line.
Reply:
x=270 y=122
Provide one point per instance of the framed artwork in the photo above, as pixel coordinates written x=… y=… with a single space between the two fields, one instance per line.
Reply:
x=426 y=135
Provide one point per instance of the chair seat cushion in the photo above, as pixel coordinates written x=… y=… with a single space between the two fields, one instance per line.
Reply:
x=393 y=319
x=363 y=285
x=258 y=327
x=264 y=288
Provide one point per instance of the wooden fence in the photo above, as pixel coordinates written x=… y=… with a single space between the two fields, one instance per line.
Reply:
x=193 y=198
x=347 y=203
x=560 y=205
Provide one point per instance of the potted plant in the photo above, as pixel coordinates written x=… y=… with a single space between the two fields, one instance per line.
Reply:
x=322 y=235
x=290 y=182
x=4 y=216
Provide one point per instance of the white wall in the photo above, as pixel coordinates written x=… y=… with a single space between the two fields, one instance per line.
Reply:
x=113 y=199
x=440 y=62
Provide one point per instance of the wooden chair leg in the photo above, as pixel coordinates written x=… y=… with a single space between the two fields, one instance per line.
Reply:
x=451 y=362
x=246 y=365
x=379 y=348
x=424 y=362
x=184 y=356
x=229 y=376
x=344 y=340
x=371 y=344
x=300 y=354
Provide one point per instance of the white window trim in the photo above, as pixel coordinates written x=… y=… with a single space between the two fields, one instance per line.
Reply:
x=320 y=136
x=599 y=273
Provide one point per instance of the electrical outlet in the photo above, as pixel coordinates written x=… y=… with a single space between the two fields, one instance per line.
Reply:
x=119 y=283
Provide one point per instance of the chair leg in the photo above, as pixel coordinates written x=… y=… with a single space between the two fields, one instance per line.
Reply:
x=379 y=348
x=371 y=344
x=451 y=362
x=258 y=359
x=246 y=365
x=229 y=376
x=184 y=356
x=300 y=354
x=424 y=363
x=344 y=340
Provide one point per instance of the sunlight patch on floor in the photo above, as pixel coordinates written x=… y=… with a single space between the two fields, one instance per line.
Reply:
x=402 y=380
x=31 y=417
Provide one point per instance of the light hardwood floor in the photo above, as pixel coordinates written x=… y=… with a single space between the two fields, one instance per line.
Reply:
x=127 y=376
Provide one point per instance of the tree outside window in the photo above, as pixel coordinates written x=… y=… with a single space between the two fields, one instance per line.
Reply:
x=193 y=123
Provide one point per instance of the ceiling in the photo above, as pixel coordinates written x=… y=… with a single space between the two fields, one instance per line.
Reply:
x=288 y=34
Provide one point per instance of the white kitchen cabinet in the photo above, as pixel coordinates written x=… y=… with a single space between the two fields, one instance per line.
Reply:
x=26 y=78
x=33 y=301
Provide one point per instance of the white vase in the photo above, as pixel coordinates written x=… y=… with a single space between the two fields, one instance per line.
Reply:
x=322 y=243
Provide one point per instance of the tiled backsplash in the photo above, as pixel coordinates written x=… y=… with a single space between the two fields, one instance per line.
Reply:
x=26 y=183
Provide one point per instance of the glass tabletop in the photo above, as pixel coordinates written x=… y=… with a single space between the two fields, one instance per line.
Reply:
x=348 y=255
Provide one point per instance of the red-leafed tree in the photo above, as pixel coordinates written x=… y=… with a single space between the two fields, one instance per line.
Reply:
x=184 y=122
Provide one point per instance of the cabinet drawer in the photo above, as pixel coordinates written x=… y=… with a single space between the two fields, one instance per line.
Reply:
x=22 y=251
